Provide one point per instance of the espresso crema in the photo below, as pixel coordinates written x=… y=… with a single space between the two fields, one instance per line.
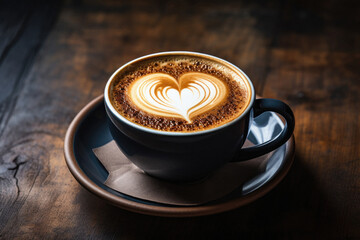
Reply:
x=179 y=94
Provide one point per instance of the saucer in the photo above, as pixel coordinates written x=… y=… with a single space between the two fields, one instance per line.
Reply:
x=89 y=130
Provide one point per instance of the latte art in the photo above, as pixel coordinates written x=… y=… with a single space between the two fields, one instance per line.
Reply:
x=179 y=93
x=192 y=94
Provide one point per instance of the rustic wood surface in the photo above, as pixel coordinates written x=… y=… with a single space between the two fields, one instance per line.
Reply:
x=56 y=56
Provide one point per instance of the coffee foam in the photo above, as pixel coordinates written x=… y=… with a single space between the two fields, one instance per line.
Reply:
x=181 y=94
x=162 y=95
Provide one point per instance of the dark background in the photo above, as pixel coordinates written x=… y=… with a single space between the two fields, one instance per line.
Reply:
x=57 y=56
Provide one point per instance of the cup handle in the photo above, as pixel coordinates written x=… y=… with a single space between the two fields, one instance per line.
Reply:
x=260 y=106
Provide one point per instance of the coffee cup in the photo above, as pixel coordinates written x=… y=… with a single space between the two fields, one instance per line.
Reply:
x=180 y=116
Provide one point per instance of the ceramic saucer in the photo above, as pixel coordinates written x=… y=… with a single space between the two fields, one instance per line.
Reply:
x=89 y=130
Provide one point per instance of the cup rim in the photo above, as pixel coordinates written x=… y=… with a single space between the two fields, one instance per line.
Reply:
x=168 y=133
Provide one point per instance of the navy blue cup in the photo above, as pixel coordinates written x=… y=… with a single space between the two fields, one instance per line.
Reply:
x=185 y=157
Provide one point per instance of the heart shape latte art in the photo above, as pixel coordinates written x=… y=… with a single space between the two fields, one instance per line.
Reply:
x=162 y=95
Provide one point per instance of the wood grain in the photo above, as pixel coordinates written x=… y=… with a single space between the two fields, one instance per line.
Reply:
x=54 y=58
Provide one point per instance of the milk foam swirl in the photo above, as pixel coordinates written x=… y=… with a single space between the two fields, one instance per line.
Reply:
x=162 y=95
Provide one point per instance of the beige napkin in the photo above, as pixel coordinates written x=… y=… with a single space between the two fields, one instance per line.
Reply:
x=126 y=178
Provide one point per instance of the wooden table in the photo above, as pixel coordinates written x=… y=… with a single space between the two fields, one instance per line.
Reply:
x=57 y=56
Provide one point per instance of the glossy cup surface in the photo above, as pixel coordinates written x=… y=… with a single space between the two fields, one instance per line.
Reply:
x=179 y=156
